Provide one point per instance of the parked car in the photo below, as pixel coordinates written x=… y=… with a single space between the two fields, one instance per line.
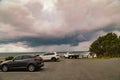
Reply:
x=71 y=55
x=50 y=56
x=30 y=62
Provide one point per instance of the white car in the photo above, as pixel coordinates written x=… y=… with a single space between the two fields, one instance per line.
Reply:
x=50 y=56
x=68 y=54
x=71 y=55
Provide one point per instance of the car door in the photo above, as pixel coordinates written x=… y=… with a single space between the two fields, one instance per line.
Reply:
x=25 y=60
x=46 y=56
x=17 y=62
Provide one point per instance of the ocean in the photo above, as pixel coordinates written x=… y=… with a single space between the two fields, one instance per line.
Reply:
x=3 y=55
x=6 y=54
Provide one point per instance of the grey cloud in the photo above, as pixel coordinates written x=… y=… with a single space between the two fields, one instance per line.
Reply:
x=40 y=41
x=70 y=22
x=112 y=28
x=87 y=15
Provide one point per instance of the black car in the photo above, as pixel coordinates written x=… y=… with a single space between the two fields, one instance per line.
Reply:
x=29 y=62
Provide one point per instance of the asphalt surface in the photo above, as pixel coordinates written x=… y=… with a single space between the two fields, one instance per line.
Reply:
x=70 y=69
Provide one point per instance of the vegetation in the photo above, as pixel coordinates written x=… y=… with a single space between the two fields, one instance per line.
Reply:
x=9 y=58
x=106 y=46
x=1 y=61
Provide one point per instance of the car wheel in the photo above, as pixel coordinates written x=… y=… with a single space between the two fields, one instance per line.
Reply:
x=68 y=57
x=54 y=59
x=4 y=68
x=31 y=68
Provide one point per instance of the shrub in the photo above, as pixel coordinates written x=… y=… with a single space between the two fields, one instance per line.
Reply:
x=1 y=61
x=9 y=58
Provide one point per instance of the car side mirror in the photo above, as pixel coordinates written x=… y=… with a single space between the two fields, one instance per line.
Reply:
x=13 y=60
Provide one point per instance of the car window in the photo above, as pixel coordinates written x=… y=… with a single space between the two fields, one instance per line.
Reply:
x=18 y=58
x=27 y=56
x=45 y=54
x=48 y=54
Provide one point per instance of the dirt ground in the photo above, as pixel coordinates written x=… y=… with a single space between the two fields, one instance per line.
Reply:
x=70 y=69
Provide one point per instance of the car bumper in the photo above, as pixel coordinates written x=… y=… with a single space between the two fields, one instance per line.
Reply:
x=41 y=65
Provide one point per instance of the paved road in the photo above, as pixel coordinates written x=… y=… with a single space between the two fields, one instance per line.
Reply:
x=70 y=69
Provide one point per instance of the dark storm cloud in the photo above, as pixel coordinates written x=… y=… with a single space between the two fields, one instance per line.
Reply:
x=72 y=40
x=111 y=28
x=40 y=41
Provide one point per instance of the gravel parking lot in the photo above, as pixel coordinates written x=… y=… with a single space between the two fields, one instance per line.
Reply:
x=70 y=69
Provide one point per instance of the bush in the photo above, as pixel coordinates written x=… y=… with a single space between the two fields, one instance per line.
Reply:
x=9 y=58
x=1 y=61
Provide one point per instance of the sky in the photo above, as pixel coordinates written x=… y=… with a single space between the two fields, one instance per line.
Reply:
x=55 y=25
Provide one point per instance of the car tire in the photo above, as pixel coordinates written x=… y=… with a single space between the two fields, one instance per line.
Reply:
x=31 y=68
x=54 y=59
x=69 y=57
x=4 y=68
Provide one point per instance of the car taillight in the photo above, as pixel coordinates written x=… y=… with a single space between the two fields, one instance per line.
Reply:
x=36 y=59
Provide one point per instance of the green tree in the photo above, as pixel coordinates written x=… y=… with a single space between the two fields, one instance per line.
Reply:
x=108 y=45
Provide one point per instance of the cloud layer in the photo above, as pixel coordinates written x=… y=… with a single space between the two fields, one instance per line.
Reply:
x=56 y=23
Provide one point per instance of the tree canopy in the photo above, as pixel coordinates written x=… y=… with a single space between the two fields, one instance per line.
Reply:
x=108 y=45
